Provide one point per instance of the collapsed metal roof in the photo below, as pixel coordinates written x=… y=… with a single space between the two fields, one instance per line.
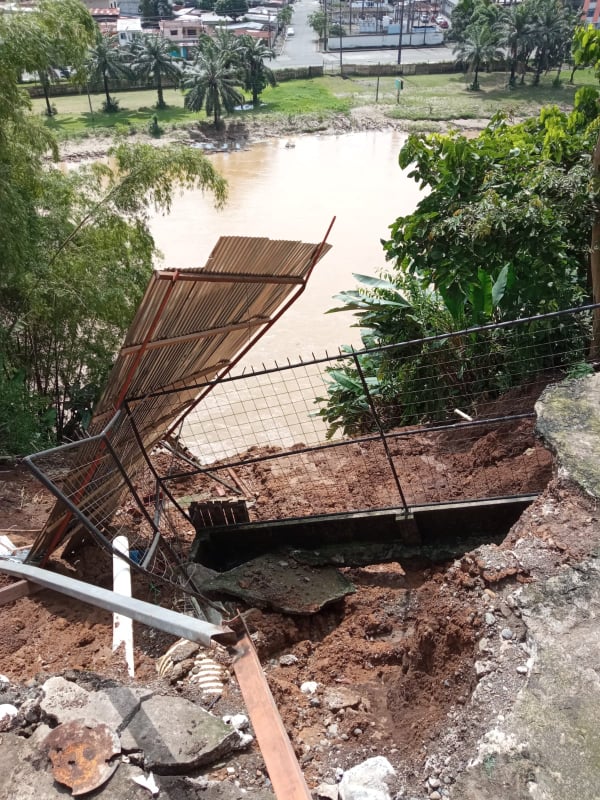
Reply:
x=192 y=326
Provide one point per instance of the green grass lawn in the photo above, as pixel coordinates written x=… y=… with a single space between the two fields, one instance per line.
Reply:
x=424 y=99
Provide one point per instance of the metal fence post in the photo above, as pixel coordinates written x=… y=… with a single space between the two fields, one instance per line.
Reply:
x=380 y=430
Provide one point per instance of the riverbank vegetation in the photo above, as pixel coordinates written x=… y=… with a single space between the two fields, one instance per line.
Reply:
x=424 y=99
x=503 y=232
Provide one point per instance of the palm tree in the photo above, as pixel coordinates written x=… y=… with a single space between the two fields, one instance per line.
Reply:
x=257 y=76
x=107 y=61
x=213 y=83
x=151 y=58
x=551 y=31
x=515 y=34
x=479 y=46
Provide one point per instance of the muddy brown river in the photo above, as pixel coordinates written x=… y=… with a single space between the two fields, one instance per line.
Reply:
x=290 y=189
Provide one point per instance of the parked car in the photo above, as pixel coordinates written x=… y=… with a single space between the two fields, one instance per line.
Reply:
x=442 y=22
x=290 y=31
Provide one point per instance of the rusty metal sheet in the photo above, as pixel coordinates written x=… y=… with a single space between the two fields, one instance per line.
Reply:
x=275 y=746
x=82 y=754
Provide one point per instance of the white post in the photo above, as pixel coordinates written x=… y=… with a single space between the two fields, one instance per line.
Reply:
x=122 y=626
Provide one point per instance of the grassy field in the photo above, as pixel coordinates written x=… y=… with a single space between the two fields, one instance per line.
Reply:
x=424 y=99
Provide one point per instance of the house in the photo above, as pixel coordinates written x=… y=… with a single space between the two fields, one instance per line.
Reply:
x=183 y=32
x=590 y=13
x=128 y=29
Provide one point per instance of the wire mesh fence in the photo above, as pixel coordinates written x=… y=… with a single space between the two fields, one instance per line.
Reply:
x=442 y=419
x=434 y=420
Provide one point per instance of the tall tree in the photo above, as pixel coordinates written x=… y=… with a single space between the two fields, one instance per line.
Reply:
x=516 y=36
x=552 y=32
x=61 y=33
x=479 y=47
x=231 y=8
x=153 y=10
x=151 y=59
x=257 y=76
x=213 y=84
x=108 y=61
x=76 y=253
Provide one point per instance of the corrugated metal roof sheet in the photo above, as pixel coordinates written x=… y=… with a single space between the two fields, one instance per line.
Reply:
x=191 y=327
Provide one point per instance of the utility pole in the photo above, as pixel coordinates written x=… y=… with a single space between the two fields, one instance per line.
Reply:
x=325 y=25
x=340 y=24
x=401 y=32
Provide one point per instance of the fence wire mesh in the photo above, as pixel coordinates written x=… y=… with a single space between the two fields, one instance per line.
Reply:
x=427 y=421
x=443 y=419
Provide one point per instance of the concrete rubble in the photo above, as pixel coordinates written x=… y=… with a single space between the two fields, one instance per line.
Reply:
x=166 y=736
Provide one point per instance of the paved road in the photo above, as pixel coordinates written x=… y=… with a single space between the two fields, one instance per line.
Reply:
x=301 y=50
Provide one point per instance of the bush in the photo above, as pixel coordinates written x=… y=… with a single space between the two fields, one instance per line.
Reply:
x=110 y=106
x=154 y=129
x=25 y=422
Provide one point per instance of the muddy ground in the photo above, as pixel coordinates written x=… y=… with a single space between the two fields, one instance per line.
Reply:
x=407 y=645
x=241 y=133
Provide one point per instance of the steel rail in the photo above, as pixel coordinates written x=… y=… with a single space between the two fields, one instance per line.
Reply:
x=155 y=616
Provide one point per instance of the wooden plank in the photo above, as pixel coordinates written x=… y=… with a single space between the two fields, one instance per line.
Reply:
x=8 y=594
x=275 y=746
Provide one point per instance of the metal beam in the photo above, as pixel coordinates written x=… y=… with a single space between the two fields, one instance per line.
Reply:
x=231 y=277
x=275 y=746
x=147 y=613
x=192 y=337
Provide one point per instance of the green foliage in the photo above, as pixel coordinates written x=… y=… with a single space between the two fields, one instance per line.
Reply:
x=25 y=423
x=318 y=22
x=213 y=80
x=110 y=105
x=257 y=76
x=151 y=59
x=154 y=129
x=153 y=10
x=501 y=234
x=284 y=16
x=107 y=61
x=76 y=254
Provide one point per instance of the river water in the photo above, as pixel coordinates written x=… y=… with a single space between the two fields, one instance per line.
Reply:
x=293 y=193
x=290 y=192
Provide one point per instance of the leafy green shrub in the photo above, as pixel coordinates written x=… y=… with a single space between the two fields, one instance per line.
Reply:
x=154 y=129
x=110 y=106
x=25 y=421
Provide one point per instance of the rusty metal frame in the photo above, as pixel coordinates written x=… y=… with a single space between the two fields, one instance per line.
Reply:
x=275 y=746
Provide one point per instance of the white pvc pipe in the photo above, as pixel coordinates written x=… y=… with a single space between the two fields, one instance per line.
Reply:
x=122 y=626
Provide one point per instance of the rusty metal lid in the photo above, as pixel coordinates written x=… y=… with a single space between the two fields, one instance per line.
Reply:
x=82 y=754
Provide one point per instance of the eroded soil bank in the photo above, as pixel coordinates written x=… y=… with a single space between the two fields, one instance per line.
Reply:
x=426 y=657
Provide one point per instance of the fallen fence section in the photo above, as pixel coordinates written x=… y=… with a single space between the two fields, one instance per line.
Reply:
x=192 y=324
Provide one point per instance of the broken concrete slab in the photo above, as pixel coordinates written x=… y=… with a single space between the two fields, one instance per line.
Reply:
x=65 y=701
x=569 y=422
x=281 y=583
x=176 y=736
x=549 y=745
